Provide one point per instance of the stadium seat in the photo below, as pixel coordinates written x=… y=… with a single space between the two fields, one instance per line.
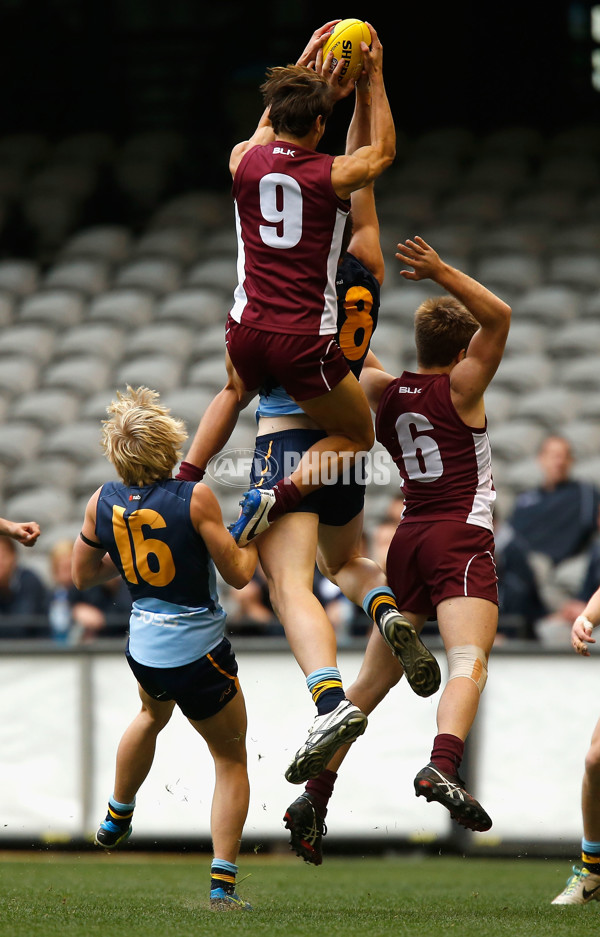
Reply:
x=499 y=405
x=584 y=436
x=72 y=179
x=82 y=373
x=124 y=307
x=547 y=405
x=56 y=307
x=581 y=138
x=158 y=275
x=8 y=305
x=550 y=204
x=407 y=209
x=526 y=237
x=90 y=276
x=102 y=339
x=580 y=236
x=506 y=173
x=93 y=407
x=520 y=475
x=582 y=374
x=188 y=404
x=526 y=337
x=513 y=272
x=576 y=338
x=46 y=408
x=19 y=277
x=209 y=342
x=520 y=141
x=89 y=477
x=18 y=375
x=474 y=205
x=548 y=304
x=48 y=504
x=180 y=244
x=78 y=441
x=203 y=209
x=572 y=170
x=19 y=440
x=111 y=243
x=216 y=273
x=34 y=341
x=164 y=338
x=89 y=147
x=209 y=372
x=33 y=472
x=400 y=303
x=198 y=307
x=580 y=271
x=588 y=469
x=516 y=439
x=590 y=404
x=453 y=142
x=159 y=372
x=24 y=149
x=523 y=372
x=457 y=238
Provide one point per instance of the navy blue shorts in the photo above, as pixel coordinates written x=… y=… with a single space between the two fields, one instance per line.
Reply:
x=200 y=689
x=277 y=455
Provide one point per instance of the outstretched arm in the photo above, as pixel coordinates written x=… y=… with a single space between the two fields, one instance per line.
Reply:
x=365 y=242
x=349 y=173
x=472 y=375
x=91 y=566
x=218 y=422
x=25 y=532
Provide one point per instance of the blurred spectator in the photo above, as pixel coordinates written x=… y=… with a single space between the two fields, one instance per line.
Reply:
x=78 y=617
x=556 y=522
x=520 y=605
x=250 y=612
x=24 y=598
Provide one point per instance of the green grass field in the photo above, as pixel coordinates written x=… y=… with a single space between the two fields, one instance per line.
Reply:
x=141 y=895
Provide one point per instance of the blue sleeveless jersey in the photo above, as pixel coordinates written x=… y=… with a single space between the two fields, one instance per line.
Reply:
x=358 y=298
x=148 y=533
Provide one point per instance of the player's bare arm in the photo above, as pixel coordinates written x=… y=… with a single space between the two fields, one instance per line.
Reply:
x=349 y=173
x=263 y=134
x=365 y=243
x=91 y=566
x=472 y=375
x=374 y=380
x=219 y=419
x=25 y=533
x=235 y=564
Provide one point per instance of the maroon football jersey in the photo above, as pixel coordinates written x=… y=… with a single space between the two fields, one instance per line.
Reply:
x=289 y=225
x=445 y=465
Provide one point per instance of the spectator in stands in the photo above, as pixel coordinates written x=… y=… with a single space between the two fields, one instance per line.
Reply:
x=24 y=598
x=80 y=616
x=557 y=522
x=519 y=603
x=251 y=612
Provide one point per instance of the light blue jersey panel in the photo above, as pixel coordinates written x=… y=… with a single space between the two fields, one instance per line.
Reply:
x=166 y=635
x=277 y=403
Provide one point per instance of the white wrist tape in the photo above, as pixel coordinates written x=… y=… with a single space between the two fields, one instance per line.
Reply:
x=469 y=661
x=587 y=624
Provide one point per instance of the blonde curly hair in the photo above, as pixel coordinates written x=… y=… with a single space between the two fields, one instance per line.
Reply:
x=141 y=438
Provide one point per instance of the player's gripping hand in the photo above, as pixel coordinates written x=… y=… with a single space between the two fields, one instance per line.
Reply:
x=426 y=263
x=581 y=635
x=315 y=44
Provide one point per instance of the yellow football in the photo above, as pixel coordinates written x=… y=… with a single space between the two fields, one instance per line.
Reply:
x=344 y=42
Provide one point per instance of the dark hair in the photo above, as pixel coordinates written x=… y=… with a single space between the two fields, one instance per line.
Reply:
x=443 y=327
x=296 y=96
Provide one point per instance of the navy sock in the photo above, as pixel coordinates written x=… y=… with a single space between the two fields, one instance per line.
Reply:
x=222 y=875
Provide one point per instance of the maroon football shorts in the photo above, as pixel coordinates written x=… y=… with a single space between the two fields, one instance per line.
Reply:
x=428 y=562
x=306 y=365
